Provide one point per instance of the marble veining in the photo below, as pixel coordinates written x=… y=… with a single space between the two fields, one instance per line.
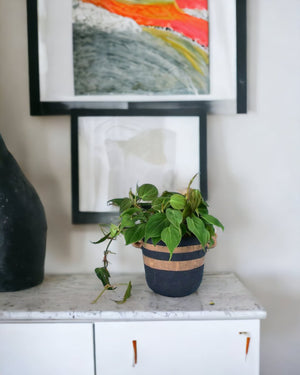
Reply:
x=69 y=297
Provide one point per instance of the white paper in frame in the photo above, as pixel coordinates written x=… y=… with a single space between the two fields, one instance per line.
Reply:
x=112 y=154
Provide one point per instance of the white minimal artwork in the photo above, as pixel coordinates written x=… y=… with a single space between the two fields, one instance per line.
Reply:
x=116 y=153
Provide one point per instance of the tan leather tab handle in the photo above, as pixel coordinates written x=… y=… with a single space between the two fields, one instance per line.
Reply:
x=134 y=344
x=138 y=244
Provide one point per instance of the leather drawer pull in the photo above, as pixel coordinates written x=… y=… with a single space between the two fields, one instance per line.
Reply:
x=247 y=341
x=134 y=344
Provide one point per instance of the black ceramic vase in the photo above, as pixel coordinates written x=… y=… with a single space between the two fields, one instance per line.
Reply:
x=23 y=228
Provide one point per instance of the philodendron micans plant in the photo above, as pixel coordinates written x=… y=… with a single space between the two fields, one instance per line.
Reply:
x=147 y=216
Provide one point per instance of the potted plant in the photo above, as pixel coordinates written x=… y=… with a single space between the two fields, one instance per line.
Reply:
x=174 y=231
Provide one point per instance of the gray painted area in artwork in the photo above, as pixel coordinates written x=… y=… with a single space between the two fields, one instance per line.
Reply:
x=145 y=155
x=131 y=63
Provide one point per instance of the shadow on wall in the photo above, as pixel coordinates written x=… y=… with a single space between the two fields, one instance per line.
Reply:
x=226 y=201
x=280 y=343
x=50 y=165
x=58 y=220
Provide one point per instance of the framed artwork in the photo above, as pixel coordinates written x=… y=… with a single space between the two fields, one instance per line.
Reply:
x=117 y=54
x=115 y=150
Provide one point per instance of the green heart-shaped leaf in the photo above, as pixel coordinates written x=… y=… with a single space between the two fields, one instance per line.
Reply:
x=197 y=227
x=126 y=295
x=155 y=225
x=178 y=201
x=171 y=237
x=174 y=216
x=103 y=275
x=147 y=192
x=134 y=234
x=212 y=220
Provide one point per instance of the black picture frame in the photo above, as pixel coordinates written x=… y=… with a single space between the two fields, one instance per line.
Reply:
x=88 y=217
x=40 y=108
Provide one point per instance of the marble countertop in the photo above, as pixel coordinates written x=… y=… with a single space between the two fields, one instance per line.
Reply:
x=69 y=297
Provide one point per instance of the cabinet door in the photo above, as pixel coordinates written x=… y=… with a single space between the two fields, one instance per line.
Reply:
x=177 y=347
x=46 y=349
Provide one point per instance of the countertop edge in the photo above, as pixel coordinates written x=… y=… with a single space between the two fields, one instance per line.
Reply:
x=130 y=316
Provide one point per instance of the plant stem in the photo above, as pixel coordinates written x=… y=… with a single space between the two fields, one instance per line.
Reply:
x=106 y=252
x=106 y=288
x=102 y=292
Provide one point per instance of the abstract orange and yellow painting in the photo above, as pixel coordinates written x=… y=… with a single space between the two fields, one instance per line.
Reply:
x=140 y=47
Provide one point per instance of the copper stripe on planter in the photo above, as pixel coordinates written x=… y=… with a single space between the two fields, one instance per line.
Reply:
x=177 y=250
x=167 y=265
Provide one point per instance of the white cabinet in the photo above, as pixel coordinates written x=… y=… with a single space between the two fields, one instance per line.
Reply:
x=53 y=329
x=213 y=347
x=46 y=349
x=166 y=347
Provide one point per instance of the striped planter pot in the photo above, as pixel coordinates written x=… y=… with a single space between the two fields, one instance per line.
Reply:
x=178 y=277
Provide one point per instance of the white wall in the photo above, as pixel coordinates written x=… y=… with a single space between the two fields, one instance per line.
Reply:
x=253 y=161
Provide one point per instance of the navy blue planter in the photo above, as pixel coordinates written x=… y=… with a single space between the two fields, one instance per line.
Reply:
x=178 y=277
